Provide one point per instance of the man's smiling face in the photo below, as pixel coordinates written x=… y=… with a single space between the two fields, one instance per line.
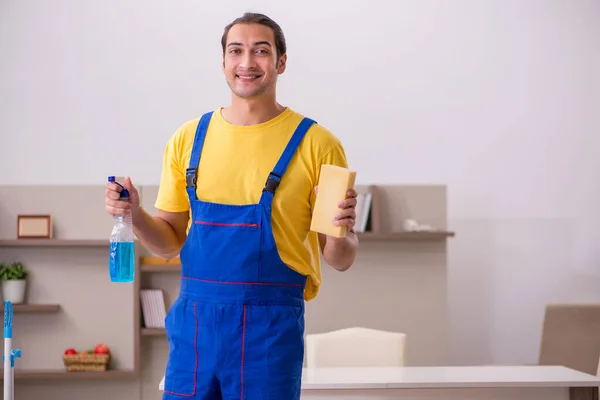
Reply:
x=250 y=62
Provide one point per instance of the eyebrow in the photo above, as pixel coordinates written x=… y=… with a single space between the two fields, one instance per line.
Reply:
x=255 y=43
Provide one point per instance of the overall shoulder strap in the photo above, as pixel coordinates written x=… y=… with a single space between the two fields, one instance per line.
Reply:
x=277 y=173
x=191 y=173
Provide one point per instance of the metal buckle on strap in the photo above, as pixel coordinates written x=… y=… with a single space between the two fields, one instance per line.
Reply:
x=272 y=183
x=191 y=177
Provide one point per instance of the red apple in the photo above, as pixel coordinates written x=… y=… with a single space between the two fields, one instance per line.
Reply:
x=101 y=349
x=70 y=351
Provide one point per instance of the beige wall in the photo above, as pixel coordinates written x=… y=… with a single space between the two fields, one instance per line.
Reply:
x=397 y=286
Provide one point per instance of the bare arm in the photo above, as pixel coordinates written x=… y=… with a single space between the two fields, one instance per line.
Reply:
x=164 y=234
x=341 y=252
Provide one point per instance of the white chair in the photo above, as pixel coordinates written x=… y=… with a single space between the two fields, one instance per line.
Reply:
x=355 y=347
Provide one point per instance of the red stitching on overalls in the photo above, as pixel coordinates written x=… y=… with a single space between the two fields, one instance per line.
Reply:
x=224 y=224
x=243 y=349
x=242 y=283
x=196 y=367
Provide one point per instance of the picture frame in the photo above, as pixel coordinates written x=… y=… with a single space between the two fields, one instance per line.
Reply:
x=34 y=226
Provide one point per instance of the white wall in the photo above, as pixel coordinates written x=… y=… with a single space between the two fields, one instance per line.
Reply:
x=497 y=99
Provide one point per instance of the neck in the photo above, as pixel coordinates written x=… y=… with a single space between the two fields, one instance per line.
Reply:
x=247 y=112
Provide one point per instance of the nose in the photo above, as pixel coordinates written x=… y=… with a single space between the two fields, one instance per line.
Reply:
x=248 y=61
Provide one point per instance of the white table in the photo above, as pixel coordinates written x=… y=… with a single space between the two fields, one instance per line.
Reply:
x=449 y=383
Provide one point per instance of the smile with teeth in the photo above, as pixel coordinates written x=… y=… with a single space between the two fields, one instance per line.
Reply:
x=248 y=77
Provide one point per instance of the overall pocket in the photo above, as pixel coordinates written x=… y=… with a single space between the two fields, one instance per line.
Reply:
x=227 y=251
x=273 y=343
x=181 y=325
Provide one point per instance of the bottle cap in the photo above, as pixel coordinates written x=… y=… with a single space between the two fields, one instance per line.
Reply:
x=124 y=192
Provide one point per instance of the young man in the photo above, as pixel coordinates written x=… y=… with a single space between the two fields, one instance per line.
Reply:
x=235 y=201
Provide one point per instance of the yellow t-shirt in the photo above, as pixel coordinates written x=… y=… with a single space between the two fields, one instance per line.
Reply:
x=234 y=166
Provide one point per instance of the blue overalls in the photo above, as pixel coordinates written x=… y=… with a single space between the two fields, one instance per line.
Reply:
x=236 y=331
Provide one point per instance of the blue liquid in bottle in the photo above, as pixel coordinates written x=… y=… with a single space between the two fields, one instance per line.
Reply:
x=121 y=264
x=122 y=261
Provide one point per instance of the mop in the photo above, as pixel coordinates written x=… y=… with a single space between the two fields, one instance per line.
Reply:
x=9 y=354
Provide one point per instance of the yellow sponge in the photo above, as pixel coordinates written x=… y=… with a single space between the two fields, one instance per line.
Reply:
x=333 y=186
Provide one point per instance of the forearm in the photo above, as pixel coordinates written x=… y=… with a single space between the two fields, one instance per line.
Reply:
x=340 y=253
x=156 y=234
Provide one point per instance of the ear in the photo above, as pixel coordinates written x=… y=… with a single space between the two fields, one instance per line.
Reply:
x=223 y=63
x=282 y=64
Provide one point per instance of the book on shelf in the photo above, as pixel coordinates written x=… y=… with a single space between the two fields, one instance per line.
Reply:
x=363 y=211
x=153 y=308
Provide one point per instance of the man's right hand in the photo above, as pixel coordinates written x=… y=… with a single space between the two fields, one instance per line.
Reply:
x=163 y=234
x=113 y=204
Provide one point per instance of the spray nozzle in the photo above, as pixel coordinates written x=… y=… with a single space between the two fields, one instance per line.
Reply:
x=124 y=192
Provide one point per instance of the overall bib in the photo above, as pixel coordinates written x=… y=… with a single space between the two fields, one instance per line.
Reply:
x=236 y=331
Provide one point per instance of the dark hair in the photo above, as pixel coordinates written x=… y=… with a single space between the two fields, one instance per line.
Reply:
x=256 y=18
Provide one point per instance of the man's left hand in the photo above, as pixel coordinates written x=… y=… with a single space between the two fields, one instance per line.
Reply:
x=347 y=214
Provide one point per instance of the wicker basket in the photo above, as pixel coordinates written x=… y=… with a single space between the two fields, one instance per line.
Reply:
x=87 y=362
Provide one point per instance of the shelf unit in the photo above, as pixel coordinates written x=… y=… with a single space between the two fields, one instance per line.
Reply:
x=53 y=243
x=33 y=308
x=152 y=331
x=77 y=376
x=148 y=265
x=158 y=264
x=61 y=374
x=404 y=236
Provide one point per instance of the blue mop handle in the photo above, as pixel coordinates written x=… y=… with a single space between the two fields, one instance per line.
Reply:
x=9 y=353
x=8 y=316
x=7 y=356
